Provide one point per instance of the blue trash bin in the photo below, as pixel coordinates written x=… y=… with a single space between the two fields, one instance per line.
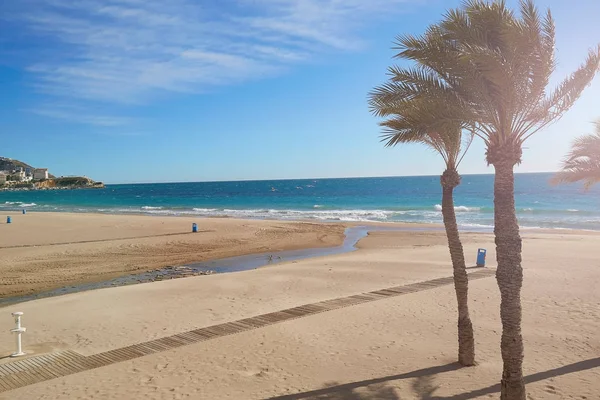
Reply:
x=194 y=227
x=8 y=220
x=24 y=211
x=481 y=257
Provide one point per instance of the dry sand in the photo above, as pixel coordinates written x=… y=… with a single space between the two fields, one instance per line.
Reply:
x=396 y=348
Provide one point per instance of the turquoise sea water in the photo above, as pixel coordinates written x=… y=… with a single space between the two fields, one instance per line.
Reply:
x=409 y=199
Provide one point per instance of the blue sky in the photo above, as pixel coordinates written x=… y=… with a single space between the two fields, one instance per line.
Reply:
x=195 y=90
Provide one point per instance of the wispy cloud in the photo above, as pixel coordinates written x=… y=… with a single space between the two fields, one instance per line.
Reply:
x=129 y=51
x=80 y=115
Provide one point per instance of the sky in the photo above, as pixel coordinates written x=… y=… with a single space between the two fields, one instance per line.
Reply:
x=129 y=91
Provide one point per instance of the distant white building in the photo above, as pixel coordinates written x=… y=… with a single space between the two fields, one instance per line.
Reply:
x=2 y=178
x=40 y=173
x=18 y=175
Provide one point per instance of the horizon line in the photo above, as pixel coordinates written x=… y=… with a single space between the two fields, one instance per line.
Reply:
x=312 y=179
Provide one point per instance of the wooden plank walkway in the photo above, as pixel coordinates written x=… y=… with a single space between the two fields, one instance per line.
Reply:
x=41 y=368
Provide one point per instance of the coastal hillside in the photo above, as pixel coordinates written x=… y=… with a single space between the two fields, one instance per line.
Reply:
x=9 y=164
x=69 y=182
x=18 y=175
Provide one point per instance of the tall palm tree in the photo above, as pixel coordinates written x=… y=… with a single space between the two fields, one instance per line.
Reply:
x=582 y=162
x=419 y=122
x=498 y=65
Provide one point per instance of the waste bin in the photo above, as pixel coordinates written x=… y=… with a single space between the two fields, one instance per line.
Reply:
x=481 y=257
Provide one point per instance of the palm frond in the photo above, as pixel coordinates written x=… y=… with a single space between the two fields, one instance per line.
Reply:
x=447 y=142
x=483 y=70
x=408 y=87
x=583 y=173
x=419 y=108
x=582 y=163
x=554 y=106
x=499 y=64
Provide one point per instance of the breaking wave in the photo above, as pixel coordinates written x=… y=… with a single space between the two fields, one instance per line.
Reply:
x=438 y=207
x=467 y=216
x=14 y=204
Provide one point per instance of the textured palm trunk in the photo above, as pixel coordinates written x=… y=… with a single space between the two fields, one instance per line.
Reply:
x=510 y=280
x=466 y=342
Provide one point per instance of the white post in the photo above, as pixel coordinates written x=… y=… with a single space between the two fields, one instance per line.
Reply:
x=19 y=331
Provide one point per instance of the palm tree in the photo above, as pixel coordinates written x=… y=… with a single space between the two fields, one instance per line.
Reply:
x=497 y=65
x=582 y=162
x=418 y=122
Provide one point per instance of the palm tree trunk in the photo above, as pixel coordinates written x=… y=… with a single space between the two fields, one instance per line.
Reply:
x=510 y=280
x=466 y=341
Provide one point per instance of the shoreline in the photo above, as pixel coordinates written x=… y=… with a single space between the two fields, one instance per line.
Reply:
x=435 y=225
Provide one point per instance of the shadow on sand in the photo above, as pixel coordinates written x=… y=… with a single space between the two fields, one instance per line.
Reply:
x=423 y=386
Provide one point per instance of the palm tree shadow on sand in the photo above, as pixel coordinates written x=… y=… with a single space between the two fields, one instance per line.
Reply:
x=424 y=385
x=377 y=391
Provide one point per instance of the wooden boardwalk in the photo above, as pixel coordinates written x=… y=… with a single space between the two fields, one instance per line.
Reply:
x=28 y=371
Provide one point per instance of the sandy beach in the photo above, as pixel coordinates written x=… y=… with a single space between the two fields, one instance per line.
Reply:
x=42 y=251
x=394 y=348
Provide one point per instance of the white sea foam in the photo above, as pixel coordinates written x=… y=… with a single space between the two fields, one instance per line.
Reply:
x=19 y=203
x=467 y=217
x=474 y=225
x=329 y=215
x=438 y=207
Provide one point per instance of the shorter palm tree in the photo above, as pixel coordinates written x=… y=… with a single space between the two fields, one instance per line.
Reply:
x=420 y=121
x=582 y=162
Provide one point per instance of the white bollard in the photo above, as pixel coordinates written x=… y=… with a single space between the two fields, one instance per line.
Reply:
x=19 y=331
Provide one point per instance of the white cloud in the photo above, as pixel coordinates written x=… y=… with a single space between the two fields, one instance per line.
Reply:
x=129 y=51
x=79 y=115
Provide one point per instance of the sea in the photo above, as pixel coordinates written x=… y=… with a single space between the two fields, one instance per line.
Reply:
x=386 y=199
